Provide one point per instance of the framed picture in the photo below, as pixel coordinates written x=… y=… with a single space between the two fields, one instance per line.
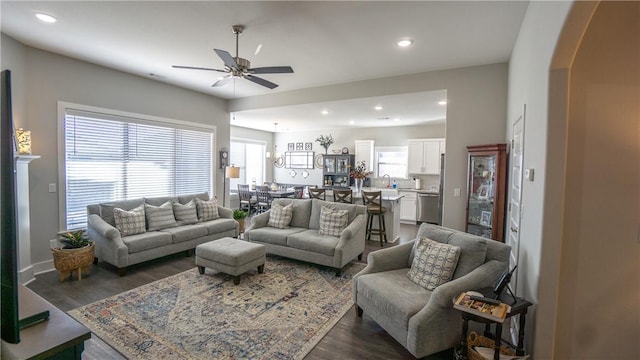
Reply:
x=290 y=147
x=483 y=192
x=308 y=146
x=485 y=218
x=299 y=146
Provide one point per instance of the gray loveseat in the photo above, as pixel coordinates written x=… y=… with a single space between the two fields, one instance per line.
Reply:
x=302 y=241
x=424 y=321
x=122 y=251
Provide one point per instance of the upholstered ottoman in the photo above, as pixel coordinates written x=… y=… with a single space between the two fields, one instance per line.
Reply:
x=230 y=256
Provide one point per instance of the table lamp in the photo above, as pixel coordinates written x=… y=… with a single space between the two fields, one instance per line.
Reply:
x=231 y=172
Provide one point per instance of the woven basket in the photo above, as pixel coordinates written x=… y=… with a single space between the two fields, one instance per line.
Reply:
x=72 y=259
x=478 y=340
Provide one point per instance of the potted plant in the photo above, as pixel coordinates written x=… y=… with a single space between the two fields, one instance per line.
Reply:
x=239 y=216
x=325 y=142
x=76 y=253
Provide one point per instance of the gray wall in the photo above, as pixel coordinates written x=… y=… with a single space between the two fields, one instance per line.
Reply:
x=41 y=79
x=476 y=114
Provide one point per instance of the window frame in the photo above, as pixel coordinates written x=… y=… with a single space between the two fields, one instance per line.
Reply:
x=63 y=106
x=399 y=148
x=263 y=156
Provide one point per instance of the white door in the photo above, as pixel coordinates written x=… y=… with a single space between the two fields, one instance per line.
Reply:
x=515 y=206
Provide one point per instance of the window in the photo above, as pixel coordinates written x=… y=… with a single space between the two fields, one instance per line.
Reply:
x=249 y=156
x=392 y=160
x=111 y=157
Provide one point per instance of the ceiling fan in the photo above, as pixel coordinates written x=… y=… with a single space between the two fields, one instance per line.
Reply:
x=237 y=67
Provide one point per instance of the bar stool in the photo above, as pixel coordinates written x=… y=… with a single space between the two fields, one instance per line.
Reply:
x=343 y=196
x=318 y=193
x=373 y=201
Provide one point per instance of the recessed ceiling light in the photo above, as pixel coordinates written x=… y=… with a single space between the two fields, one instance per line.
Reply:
x=396 y=119
x=442 y=102
x=378 y=107
x=46 y=18
x=325 y=112
x=404 y=43
x=351 y=122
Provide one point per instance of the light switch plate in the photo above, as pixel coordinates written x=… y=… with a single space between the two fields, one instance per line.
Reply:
x=52 y=187
x=456 y=192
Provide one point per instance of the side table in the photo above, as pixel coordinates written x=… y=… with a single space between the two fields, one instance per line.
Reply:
x=519 y=307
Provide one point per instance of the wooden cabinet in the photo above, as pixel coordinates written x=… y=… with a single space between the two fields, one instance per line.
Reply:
x=408 y=206
x=486 y=188
x=424 y=156
x=335 y=170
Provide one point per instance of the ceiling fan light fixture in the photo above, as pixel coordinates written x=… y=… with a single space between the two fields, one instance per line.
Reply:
x=45 y=18
x=405 y=42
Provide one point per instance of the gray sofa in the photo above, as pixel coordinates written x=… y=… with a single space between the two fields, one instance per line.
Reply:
x=424 y=321
x=302 y=241
x=122 y=251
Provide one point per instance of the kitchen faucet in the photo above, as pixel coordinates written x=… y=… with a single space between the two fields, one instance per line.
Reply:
x=388 y=179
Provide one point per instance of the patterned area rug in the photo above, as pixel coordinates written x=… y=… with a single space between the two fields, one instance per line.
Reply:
x=280 y=314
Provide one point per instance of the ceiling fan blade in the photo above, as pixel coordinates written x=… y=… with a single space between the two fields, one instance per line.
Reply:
x=261 y=81
x=227 y=58
x=222 y=81
x=196 y=68
x=272 y=70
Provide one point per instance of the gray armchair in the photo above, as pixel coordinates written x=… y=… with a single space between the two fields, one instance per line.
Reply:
x=424 y=321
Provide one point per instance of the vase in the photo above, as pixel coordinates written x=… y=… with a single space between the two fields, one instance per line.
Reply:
x=358 y=183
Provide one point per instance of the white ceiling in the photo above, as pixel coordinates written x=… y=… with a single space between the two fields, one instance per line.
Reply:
x=325 y=43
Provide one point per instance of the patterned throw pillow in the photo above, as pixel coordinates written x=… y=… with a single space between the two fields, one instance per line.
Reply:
x=129 y=222
x=280 y=216
x=207 y=210
x=185 y=214
x=159 y=217
x=433 y=263
x=332 y=222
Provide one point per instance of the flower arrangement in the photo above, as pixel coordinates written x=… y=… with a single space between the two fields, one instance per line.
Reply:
x=360 y=171
x=325 y=142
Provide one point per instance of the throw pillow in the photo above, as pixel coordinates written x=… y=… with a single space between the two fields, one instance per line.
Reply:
x=433 y=263
x=185 y=214
x=332 y=222
x=129 y=222
x=207 y=210
x=280 y=216
x=159 y=217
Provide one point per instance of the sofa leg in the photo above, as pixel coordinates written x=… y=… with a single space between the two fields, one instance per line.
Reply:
x=95 y=261
x=201 y=269
x=338 y=272
x=360 y=257
x=190 y=253
x=122 y=271
x=359 y=311
x=236 y=280
x=261 y=269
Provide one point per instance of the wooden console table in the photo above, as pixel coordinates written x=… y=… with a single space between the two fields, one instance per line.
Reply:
x=59 y=337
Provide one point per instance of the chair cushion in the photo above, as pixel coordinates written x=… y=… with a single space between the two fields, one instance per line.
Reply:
x=433 y=263
x=473 y=252
x=280 y=216
x=313 y=241
x=129 y=222
x=159 y=217
x=207 y=210
x=332 y=222
x=185 y=214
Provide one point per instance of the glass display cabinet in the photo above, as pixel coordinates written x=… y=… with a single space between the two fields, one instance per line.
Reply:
x=487 y=182
x=336 y=170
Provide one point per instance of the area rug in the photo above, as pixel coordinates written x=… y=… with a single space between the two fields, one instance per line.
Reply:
x=280 y=314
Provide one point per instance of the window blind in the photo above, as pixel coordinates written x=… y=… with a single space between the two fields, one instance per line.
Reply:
x=111 y=158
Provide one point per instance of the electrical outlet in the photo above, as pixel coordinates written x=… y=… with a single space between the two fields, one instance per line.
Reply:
x=456 y=192
x=52 y=187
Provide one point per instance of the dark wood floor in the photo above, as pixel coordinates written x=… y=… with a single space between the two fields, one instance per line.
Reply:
x=351 y=338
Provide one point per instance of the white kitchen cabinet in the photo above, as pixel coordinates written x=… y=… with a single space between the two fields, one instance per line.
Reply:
x=364 y=152
x=424 y=156
x=408 y=206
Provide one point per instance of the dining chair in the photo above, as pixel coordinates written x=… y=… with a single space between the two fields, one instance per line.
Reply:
x=318 y=193
x=298 y=192
x=373 y=201
x=247 y=201
x=343 y=196
x=263 y=199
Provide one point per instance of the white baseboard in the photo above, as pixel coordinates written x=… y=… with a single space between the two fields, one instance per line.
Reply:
x=43 y=267
x=26 y=275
